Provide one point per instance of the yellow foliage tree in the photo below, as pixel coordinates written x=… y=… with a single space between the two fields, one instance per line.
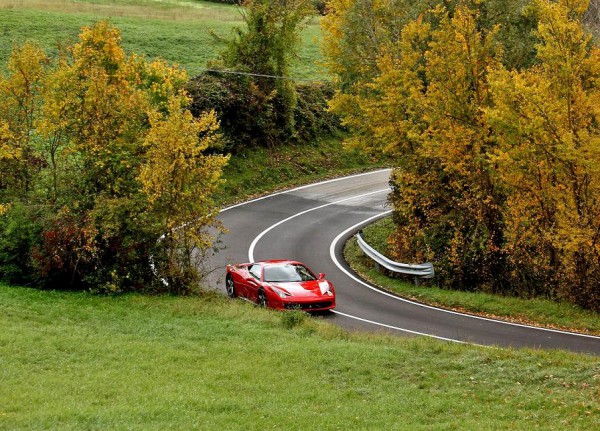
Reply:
x=497 y=176
x=7 y=152
x=426 y=108
x=547 y=120
x=19 y=101
x=93 y=107
x=179 y=180
x=121 y=162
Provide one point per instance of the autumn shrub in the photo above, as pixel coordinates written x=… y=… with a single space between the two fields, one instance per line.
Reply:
x=108 y=159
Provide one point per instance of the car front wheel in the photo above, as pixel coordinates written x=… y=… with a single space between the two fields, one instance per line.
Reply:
x=262 y=298
x=230 y=286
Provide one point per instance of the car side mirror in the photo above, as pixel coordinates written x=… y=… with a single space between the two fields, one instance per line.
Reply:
x=321 y=276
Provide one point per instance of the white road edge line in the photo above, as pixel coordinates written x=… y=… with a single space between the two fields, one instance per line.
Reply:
x=358 y=280
x=264 y=232
x=303 y=187
x=407 y=330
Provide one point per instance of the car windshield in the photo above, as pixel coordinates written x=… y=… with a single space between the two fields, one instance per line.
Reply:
x=288 y=272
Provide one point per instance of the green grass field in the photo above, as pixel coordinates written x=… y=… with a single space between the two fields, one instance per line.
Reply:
x=178 y=31
x=531 y=311
x=72 y=361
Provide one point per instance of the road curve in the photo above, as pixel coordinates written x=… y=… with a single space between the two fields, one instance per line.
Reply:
x=311 y=224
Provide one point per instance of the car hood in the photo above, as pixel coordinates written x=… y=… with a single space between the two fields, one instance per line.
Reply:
x=304 y=288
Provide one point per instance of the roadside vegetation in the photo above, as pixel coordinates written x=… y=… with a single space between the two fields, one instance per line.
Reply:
x=98 y=152
x=258 y=171
x=301 y=142
x=489 y=111
x=99 y=157
x=80 y=361
x=531 y=311
x=102 y=150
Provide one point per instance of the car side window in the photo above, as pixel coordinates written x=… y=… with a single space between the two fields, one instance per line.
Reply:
x=255 y=271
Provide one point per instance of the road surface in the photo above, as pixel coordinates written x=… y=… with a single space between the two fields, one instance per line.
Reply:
x=311 y=224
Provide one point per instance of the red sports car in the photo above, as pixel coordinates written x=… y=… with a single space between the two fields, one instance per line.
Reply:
x=280 y=284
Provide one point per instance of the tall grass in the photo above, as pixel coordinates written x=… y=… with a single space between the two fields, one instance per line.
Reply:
x=76 y=361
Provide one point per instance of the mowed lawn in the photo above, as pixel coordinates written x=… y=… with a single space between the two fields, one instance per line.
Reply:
x=73 y=361
x=188 y=33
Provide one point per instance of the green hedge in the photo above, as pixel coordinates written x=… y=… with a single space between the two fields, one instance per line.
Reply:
x=320 y=5
x=250 y=118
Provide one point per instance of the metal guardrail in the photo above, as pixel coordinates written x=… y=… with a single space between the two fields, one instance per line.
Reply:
x=423 y=270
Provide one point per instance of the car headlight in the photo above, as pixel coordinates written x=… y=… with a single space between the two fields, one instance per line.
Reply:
x=325 y=288
x=280 y=292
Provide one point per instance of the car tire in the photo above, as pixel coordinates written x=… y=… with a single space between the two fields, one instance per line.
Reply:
x=262 y=298
x=230 y=286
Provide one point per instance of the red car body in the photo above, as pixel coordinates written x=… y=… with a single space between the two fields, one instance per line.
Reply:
x=280 y=284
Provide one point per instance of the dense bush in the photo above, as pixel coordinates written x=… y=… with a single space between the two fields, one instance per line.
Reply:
x=261 y=54
x=312 y=115
x=248 y=117
x=319 y=5
x=19 y=234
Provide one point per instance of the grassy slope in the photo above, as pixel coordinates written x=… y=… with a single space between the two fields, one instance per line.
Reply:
x=175 y=31
x=261 y=170
x=532 y=311
x=77 y=361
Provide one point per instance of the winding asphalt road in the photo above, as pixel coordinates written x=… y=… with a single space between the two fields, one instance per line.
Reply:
x=311 y=224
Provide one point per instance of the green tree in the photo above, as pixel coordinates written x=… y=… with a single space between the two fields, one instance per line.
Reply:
x=267 y=46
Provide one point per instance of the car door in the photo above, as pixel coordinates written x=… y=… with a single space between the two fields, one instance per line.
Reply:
x=253 y=281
